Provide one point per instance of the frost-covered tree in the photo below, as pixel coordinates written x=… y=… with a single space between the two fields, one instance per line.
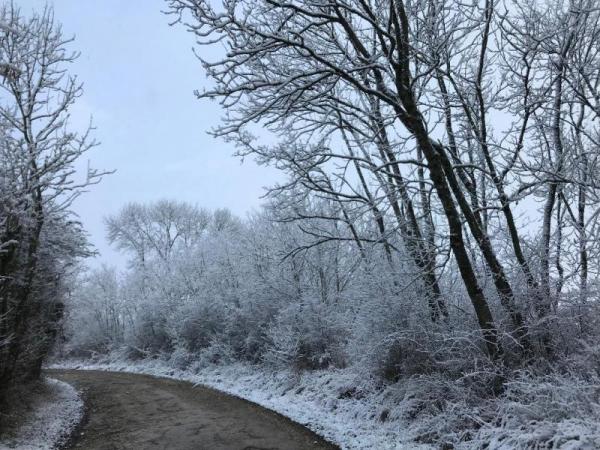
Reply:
x=437 y=119
x=159 y=229
x=39 y=240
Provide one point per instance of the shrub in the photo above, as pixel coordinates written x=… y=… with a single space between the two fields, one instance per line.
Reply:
x=307 y=337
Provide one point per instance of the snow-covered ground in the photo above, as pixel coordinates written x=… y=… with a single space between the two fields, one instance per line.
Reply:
x=51 y=421
x=326 y=401
x=554 y=412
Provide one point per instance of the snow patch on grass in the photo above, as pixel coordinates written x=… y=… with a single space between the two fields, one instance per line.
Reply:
x=51 y=421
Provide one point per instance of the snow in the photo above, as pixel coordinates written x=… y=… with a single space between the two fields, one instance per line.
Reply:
x=52 y=420
x=324 y=401
x=345 y=407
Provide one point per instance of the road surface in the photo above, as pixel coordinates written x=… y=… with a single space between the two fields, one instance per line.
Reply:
x=139 y=412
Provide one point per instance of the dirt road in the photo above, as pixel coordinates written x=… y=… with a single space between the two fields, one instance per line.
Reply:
x=139 y=412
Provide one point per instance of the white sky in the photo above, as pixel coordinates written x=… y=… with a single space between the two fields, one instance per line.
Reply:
x=139 y=75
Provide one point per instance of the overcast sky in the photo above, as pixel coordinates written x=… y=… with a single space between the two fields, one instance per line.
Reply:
x=139 y=75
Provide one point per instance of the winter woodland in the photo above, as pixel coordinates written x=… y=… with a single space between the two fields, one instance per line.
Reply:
x=436 y=230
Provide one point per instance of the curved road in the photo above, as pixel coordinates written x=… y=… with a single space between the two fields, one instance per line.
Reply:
x=140 y=412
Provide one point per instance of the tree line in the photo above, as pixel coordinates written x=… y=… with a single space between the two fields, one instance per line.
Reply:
x=458 y=130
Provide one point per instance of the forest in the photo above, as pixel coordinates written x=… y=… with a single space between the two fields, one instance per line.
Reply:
x=435 y=233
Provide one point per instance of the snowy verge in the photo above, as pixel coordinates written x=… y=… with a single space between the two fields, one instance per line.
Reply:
x=51 y=420
x=559 y=412
x=327 y=402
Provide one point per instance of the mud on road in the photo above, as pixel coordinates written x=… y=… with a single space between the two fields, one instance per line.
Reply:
x=139 y=412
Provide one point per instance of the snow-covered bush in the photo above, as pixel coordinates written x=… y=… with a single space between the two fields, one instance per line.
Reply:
x=151 y=333
x=195 y=326
x=245 y=332
x=551 y=411
x=307 y=336
x=439 y=410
